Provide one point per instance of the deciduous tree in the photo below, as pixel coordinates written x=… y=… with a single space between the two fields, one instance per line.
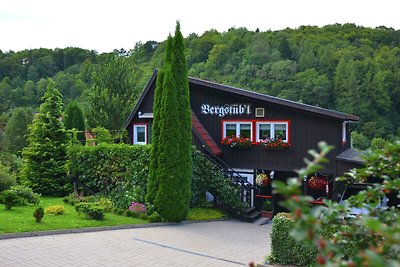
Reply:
x=113 y=94
x=17 y=128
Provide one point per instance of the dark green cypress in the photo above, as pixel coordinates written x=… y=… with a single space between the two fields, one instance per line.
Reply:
x=168 y=200
x=153 y=181
x=173 y=144
x=152 y=184
x=180 y=72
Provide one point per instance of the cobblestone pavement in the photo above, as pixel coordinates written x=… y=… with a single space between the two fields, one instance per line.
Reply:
x=220 y=243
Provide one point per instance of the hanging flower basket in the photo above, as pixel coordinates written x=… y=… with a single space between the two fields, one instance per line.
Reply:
x=274 y=144
x=316 y=183
x=237 y=142
x=262 y=179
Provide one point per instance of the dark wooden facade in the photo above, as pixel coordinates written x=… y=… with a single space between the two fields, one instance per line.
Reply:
x=307 y=125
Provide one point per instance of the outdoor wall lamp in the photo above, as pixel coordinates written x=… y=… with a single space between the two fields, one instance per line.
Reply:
x=272 y=174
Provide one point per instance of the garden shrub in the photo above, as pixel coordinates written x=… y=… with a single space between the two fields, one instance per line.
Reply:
x=25 y=195
x=106 y=204
x=284 y=248
x=102 y=135
x=38 y=214
x=72 y=199
x=91 y=211
x=136 y=210
x=7 y=179
x=154 y=217
x=18 y=196
x=9 y=198
x=143 y=216
x=54 y=210
x=137 y=207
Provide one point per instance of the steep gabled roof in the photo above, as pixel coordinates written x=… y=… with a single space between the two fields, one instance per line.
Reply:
x=144 y=94
x=250 y=94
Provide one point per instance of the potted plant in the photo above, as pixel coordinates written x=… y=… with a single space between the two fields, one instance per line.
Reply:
x=267 y=209
x=316 y=183
x=262 y=179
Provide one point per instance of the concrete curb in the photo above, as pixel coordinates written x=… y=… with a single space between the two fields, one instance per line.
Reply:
x=99 y=229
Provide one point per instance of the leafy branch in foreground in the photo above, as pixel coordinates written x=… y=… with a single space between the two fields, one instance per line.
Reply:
x=372 y=239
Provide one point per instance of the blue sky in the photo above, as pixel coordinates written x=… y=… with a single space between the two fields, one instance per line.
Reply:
x=104 y=25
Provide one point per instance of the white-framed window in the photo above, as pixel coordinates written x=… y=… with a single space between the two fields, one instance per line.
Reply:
x=272 y=130
x=140 y=134
x=237 y=128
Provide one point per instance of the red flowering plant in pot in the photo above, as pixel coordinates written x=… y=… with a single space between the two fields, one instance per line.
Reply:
x=237 y=141
x=316 y=183
x=274 y=144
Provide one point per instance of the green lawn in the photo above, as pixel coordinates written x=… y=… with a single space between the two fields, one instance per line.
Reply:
x=20 y=219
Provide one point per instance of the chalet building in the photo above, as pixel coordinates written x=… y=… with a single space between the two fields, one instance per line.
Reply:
x=220 y=113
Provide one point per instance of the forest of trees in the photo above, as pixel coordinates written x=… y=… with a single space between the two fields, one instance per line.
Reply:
x=346 y=67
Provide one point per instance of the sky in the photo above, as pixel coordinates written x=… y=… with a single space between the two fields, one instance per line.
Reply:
x=105 y=25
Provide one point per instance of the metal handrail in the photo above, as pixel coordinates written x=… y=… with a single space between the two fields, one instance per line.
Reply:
x=234 y=176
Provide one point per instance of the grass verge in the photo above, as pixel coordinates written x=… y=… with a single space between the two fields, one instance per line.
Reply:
x=20 y=219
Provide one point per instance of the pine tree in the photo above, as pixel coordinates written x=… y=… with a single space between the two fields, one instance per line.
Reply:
x=170 y=173
x=45 y=156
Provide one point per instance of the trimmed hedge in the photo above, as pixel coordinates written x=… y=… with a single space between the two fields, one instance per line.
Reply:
x=284 y=248
x=117 y=170
x=121 y=171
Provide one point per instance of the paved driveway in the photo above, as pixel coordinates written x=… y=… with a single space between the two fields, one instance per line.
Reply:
x=220 y=243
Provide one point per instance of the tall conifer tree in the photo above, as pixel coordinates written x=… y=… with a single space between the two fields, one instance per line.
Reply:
x=180 y=73
x=152 y=186
x=170 y=173
x=45 y=156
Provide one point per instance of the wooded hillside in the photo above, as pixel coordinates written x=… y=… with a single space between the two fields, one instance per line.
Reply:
x=342 y=67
